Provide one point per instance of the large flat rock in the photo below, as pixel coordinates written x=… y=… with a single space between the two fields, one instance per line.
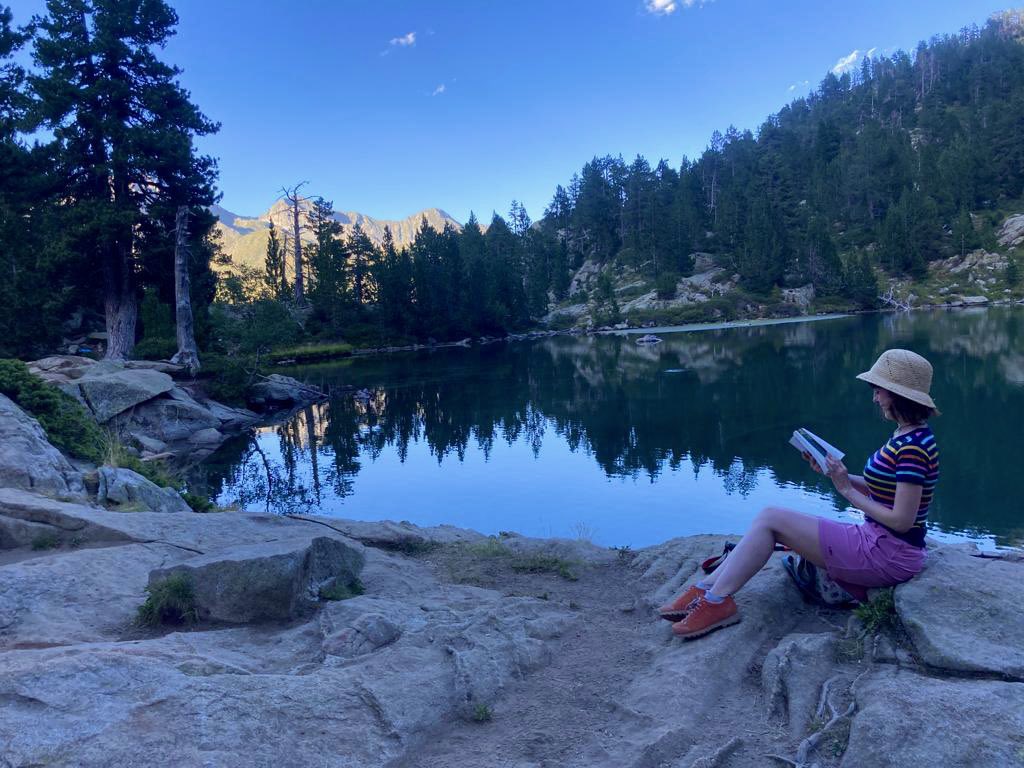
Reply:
x=82 y=596
x=260 y=697
x=198 y=533
x=906 y=720
x=109 y=388
x=964 y=613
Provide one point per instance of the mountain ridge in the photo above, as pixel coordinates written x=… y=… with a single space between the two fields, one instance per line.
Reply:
x=244 y=238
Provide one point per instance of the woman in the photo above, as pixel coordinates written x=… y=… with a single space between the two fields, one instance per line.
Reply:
x=894 y=494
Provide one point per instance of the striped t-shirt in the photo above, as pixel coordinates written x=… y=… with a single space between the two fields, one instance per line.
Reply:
x=910 y=458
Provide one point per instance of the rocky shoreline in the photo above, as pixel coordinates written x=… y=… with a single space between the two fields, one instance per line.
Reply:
x=459 y=649
x=317 y=641
x=153 y=410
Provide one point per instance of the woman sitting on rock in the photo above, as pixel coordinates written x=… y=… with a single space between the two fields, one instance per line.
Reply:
x=894 y=494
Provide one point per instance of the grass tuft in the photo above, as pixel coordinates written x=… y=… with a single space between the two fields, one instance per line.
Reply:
x=879 y=613
x=342 y=591
x=45 y=541
x=117 y=454
x=171 y=601
x=544 y=564
x=482 y=714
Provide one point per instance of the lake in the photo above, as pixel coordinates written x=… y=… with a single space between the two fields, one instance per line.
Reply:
x=600 y=438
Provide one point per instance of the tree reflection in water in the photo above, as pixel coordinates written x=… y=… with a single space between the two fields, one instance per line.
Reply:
x=722 y=401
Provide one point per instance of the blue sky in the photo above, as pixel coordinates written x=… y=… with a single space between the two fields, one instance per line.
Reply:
x=388 y=107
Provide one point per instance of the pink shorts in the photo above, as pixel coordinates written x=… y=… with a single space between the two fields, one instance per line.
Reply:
x=867 y=555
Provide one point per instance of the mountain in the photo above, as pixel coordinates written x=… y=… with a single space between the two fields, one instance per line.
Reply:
x=244 y=238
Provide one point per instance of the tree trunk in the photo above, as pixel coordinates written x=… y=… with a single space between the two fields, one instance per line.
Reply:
x=299 y=286
x=121 y=305
x=188 y=354
x=121 y=310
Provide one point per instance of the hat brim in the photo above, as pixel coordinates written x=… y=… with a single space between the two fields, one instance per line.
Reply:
x=911 y=394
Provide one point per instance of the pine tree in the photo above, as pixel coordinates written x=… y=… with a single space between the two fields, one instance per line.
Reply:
x=122 y=133
x=274 y=270
x=362 y=256
x=394 y=285
x=824 y=267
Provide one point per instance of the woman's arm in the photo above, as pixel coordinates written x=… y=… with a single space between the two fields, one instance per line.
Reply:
x=859 y=484
x=904 y=509
x=857 y=481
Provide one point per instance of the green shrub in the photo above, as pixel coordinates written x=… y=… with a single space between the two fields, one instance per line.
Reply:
x=342 y=591
x=155 y=349
x=171 y=601
x=157 y=317
x=666 y=285
x=482 y=713
x=116 y=454
x=311 y=353
x=66 y=422
x=226 y=379
x=197 y=502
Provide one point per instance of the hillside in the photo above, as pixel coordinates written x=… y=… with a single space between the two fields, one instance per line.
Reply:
x=901 y=174
x=244 y=238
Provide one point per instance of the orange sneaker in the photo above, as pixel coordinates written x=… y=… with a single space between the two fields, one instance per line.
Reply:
x=706 y=617
x=677 y=610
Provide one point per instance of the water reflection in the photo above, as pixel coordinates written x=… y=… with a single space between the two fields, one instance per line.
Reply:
x=715 y=403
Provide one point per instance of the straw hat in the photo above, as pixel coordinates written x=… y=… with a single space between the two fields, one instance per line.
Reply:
x=904 y=373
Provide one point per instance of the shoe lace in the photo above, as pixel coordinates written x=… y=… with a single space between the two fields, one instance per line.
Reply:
x=699 y=606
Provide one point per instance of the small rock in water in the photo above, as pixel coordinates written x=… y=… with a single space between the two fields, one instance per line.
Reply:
x=648 y=338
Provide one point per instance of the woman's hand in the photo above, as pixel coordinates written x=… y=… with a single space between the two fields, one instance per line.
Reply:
x=810 y=460
x=837 y=472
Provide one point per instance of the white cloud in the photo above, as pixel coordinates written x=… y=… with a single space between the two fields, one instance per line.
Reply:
x=846 y=63
x=405 y=40
x=801 y=84
x=439 y=90
x=663 y=7
x=667 y=7
x=870 y=53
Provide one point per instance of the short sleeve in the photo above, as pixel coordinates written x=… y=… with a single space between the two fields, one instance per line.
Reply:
x=911 y=464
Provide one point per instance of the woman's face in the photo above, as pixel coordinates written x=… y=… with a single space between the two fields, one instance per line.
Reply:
x=883 y=399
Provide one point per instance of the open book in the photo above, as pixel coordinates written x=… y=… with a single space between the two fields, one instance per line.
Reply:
x=806 y=441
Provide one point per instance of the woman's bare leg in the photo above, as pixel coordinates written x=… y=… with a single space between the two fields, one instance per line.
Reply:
x=796 y=530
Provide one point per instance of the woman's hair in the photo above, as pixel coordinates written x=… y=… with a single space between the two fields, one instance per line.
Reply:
x=910 y=412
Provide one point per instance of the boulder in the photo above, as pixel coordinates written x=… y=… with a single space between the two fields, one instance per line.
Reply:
x=130 y=489
x=963 y=613
x=66 y=366
x=27 y=460
x=109 y=388
x=905 y=719
x=1012 y=232
x=272 y=581
x=170 y=420
x=974 y=301
x=148 y=443
x=206 y=437
x=277 y=390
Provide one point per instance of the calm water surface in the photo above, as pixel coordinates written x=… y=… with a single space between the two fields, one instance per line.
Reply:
x=627 y=445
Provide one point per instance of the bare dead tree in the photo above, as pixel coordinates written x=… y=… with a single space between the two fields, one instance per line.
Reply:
x=295 y=201
x=187 y=354
x=892 y=300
